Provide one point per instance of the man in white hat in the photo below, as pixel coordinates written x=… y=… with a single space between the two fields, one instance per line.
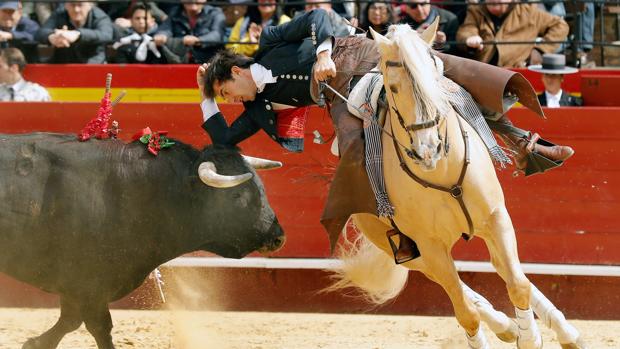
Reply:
x=554 y=68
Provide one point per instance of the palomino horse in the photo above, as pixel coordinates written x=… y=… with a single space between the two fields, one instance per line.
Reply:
x=422 y=120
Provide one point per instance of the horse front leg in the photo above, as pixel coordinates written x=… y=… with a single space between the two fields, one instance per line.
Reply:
x=504 y=328
x=439 y=267
x=502 y=246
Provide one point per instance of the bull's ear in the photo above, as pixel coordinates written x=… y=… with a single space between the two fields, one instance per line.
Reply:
x=428 y=35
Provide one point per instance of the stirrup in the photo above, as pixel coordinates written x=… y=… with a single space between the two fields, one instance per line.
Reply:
x=415 y=253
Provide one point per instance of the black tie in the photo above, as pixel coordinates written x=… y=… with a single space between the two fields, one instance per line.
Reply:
x=12 y=93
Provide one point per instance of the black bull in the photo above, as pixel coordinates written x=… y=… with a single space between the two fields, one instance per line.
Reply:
x=89 y=221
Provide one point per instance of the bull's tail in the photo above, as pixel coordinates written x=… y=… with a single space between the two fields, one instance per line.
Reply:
x=369 y=269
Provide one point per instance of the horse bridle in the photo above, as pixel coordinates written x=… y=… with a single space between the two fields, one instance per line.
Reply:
x=411 y=152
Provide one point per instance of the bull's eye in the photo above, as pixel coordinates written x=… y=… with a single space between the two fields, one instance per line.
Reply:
x=393 y=88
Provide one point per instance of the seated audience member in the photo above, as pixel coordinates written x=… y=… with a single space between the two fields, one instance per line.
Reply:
x=378 y=16
x=339 y=23
x=16 y=30
x=121 y=11
x=248 y=28
x=586 y=22
x=233 y=12
x=503 y=20
x=136 y=44
x=13 y=87
x=40 y=11
x=79 y=33
x=553 y=69
x=200 y=28
x=419 y=14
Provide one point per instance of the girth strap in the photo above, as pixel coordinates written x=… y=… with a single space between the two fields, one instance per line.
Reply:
x=456 y=191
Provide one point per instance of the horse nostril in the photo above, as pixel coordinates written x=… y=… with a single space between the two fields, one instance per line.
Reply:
x=439 y=147
x=279 y=242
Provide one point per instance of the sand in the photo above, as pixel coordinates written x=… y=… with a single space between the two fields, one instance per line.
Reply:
x=247 y=330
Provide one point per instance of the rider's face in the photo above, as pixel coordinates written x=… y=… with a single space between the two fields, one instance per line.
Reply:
x=241 y=88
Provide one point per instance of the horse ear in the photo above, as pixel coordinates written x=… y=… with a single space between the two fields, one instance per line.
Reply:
x=428 y=35
x=380 y=39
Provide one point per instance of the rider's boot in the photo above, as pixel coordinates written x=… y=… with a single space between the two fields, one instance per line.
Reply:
x=406 y=247
x=532 y=154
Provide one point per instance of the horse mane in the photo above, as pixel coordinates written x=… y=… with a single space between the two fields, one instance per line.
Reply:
x=431 y=98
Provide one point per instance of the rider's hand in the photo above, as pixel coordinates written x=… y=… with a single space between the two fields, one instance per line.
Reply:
x=324 y=67
x=200 y=79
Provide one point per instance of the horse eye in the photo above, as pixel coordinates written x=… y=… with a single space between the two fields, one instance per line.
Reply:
x=393 y=88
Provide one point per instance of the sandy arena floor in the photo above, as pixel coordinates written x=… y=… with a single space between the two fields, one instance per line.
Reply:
x=228 y=330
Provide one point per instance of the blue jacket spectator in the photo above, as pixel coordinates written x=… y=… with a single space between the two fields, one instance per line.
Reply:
x=201 y=28
x=16 y=30
x=79 y=33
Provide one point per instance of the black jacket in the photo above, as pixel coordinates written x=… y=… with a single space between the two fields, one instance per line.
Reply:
x=209 y=29
x=90 y=46
x=289 y=51
x=566 y=100
x=448 y=23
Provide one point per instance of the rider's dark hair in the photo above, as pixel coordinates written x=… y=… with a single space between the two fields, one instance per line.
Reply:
x=220 y=69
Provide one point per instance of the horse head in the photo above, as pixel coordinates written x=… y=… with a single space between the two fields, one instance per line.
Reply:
x=417 y=101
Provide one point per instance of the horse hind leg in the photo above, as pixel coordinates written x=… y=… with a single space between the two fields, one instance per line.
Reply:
x=502 y=245
x=439 y=267
x=567 y=334
x=504 y=328
x=69 y=321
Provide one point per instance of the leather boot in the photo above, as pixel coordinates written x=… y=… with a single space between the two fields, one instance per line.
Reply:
x=524 y=144
x=406 y=250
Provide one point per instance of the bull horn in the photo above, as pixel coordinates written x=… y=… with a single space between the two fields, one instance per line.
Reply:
x=208 y=174
x=261 y=164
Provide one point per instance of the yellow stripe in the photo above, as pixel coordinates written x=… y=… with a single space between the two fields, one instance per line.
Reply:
x=85 y=94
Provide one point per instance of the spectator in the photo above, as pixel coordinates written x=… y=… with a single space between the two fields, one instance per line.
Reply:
x=378 y=16
x=121 y=11
x=136 y=44
x=17 y=30
x=40 y=11
x=340 y=25
x=503 y=20
x=248 y=28
x=585 y=32
x=78 y=33
x=553 y=69
x=236 y=10
x=419 y=14
x=200 y=27
x=13 y=87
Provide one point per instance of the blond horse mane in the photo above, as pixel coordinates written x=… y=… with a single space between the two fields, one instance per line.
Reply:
x=431 y=98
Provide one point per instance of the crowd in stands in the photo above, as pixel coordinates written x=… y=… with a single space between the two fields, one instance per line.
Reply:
x=192 y=31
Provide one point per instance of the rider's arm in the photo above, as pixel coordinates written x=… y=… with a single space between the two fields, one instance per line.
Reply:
x=219 y=131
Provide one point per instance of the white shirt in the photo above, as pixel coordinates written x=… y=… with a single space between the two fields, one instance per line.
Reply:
x=261 y=76
x=553 y=100
x=23 y=91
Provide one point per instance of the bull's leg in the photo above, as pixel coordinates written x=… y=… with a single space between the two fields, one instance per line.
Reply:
x=99 y=323
x=69 y=321
x=567 y=335
x=502 y=245
x=440 y=267
x=503 y=327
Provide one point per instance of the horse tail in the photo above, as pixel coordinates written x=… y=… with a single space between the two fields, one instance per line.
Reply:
x=368 y=269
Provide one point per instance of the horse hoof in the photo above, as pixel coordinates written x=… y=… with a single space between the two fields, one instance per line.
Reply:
x=579 y=344
x=32 y=343
x=510 y=335
x=530 y=345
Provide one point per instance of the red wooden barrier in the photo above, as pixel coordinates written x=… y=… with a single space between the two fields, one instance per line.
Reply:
x=569 y=215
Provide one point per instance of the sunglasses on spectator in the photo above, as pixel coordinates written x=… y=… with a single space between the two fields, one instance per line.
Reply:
x=414 y=5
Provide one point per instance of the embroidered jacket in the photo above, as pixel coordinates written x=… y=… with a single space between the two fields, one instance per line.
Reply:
x=289 y=51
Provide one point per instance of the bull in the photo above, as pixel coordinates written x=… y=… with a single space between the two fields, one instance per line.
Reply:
x=89 y=221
